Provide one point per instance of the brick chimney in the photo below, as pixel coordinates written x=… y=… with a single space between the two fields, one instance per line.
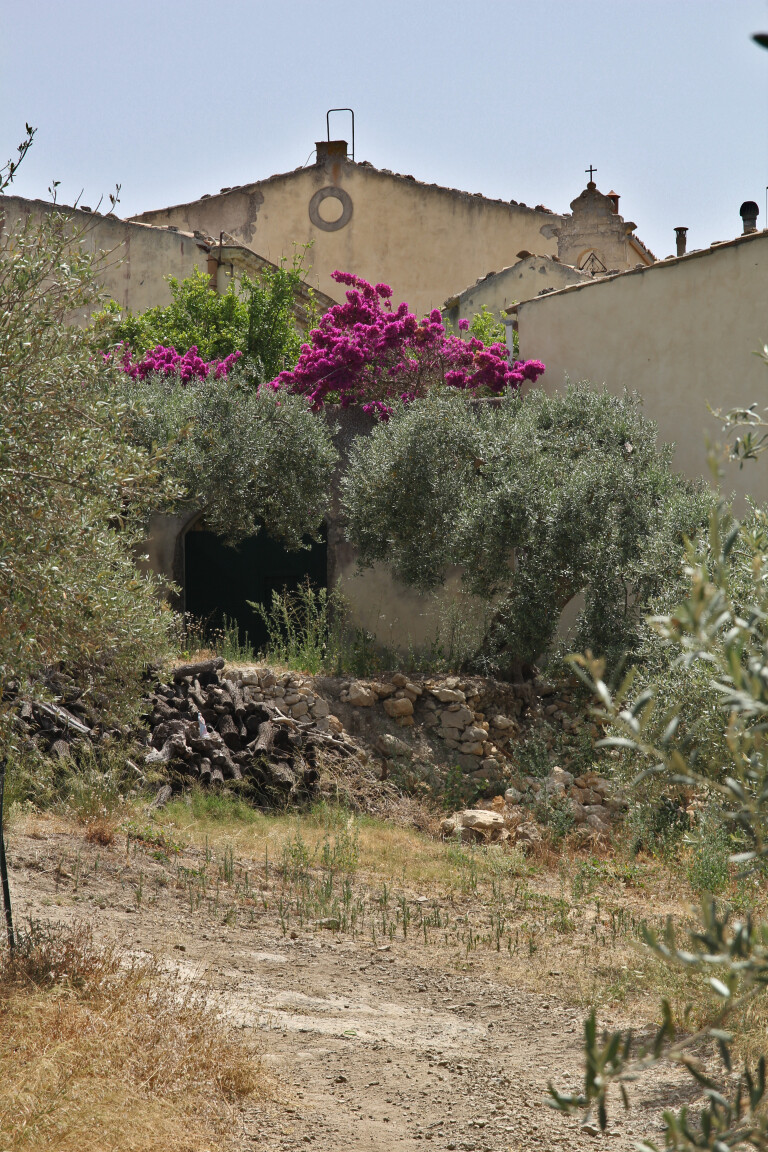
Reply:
x=331 y=150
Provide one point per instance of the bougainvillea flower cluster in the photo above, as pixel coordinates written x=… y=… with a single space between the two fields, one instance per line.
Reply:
x=367 y=352
x=169 y=362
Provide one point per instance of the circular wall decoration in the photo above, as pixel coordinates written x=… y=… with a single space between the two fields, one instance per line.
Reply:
x=346 y=208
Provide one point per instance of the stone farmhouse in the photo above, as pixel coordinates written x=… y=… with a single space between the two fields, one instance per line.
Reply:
x=420 y=238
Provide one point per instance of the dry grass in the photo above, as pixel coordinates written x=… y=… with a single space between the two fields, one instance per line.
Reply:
x=98 y=1052
x=573 y=918
x=101 y=830
x=386 y=852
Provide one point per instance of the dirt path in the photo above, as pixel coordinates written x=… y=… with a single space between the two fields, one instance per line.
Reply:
x=371 y=1046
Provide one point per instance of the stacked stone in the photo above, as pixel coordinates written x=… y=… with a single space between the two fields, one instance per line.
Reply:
x=558 y=708
x=397 y=696
x=452 y=710
x=291 y=693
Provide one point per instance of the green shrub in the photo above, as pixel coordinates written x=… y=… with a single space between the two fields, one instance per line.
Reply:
x=258 y=317
x=715 y=626
x=304 y=629
x=708 y=866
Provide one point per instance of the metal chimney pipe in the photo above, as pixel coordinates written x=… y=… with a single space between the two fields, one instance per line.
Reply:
x=680 y=237
x=749 y=213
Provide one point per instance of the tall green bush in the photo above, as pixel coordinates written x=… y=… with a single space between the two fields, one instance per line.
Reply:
x=719 y=626
x=255 y=316
x=74 y=490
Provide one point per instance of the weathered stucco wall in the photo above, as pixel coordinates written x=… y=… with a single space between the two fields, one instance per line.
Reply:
x=138 y=258
x=521 y=281
x=422 y=239
x=682 y=333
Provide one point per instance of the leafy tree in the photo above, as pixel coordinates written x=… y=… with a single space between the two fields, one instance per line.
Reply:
x=256 y=317
x=538 y=498
x=215 y=323
x=488 y=328
x=74 y=491
x=247 y=457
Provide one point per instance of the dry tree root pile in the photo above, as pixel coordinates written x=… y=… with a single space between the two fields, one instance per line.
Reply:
x=213 y=729
x=72 y=715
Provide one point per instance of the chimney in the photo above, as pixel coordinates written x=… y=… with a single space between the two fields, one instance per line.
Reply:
x=680 y=237
x=331 y=150
x=749 y=213
x=614 y=198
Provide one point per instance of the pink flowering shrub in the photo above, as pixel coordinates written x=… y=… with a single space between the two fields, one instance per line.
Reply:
x=169 y=362
x=367 y=352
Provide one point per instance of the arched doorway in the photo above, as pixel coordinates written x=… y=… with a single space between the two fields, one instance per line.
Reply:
x=219 y=579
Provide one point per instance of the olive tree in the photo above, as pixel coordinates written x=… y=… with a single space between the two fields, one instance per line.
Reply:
x=720 y=627
x=249 y=458
x=74 y=490
x=538 y=498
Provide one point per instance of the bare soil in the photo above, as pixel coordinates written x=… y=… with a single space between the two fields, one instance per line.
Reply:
x=370 y=1045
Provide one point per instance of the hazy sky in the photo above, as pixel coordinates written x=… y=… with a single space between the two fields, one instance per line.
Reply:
x=667 y=98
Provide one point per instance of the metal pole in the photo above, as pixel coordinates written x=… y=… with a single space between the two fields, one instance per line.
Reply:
x=352 y=114
x=4 y=865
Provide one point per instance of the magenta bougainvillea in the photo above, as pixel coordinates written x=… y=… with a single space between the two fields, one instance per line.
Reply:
x=367 y=352
x=169 y=362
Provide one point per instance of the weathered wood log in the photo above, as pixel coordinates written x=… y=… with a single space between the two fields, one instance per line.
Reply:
x=163 y=796
x=61 y=716
x=255 y=720
x=221 y=759
x=265 y=740
x=333 y=741
x=203 y=668
x=236 y=696
x=196 y=694
x=280 y=775
x=227 y=728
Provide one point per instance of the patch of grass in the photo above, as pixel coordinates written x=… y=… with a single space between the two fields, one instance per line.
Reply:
x=94 y=783
x=95 y=1045
x=708 y=866
x=384 y=851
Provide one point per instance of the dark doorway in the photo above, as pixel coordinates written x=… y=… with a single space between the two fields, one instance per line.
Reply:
x=220 y=580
